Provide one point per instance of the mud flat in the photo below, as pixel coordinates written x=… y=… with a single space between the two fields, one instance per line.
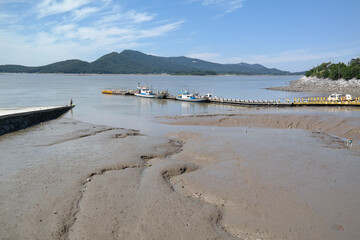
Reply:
x=325 y=86
x=339 y=127
x=274 y=176
x=72 y=180
x=237 y=176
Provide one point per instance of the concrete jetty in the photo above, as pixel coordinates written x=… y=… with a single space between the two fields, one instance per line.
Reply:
x=14 y=119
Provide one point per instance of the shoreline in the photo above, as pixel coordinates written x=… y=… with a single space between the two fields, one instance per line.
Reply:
x=158 y=74
x=324 y=86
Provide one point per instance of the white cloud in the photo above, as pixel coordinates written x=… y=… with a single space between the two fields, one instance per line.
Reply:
x=303 y=59
x=161 y=30
x=291 y=60
x=138 y=17
x=74 y=41
x=298 y=55
x=133 y=17
x=7 y=18
x=43 y=39
x=63 y=29
x=290 y=56
x=234 y=5
x=55 y=30
x=51 y=7
x=84 y=12
x=111 y=35
x=227 y=6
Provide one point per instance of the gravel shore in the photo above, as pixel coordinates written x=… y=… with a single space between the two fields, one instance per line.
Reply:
x=322 y=85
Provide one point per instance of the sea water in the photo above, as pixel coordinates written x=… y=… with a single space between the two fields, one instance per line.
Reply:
x=31 y=90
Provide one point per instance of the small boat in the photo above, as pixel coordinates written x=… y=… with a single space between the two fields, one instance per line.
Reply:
x=339 y=97
x=334 y=97
x=191 y=97
x=145 y=91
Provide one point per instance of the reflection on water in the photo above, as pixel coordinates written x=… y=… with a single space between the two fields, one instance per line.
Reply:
x=24 y=90
x=188 y=108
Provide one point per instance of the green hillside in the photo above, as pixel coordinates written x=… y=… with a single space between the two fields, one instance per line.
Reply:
x=134 y=62
x=336 y=71
x=69 y=66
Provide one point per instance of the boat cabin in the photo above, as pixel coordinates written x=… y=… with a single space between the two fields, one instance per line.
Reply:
x=334 y=97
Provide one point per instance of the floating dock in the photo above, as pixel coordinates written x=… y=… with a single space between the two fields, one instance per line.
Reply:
x=118 y=92
x=322 y=101
x=255 y=103
x=308 y=101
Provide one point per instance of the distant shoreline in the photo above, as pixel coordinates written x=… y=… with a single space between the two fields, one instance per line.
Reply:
x=321 y=85
x=158 y=74
x=135 y=62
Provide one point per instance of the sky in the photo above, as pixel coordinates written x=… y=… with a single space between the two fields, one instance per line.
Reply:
x=292 y=35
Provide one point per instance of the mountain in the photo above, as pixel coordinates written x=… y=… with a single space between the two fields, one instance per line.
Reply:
x=134 y=62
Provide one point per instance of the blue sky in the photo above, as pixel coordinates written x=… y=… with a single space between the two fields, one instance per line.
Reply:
x=292 y=35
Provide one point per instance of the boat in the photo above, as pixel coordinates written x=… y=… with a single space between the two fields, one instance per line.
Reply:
x=334 y=97
x=145 y=91
x=339 y=97
x=191 y=97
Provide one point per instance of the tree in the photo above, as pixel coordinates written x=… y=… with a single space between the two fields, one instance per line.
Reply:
x=325 y=73
x=355 y=61
x=336 y=71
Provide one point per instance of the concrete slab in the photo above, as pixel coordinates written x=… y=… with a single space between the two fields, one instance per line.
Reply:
x=5 y=112
x=13 y=119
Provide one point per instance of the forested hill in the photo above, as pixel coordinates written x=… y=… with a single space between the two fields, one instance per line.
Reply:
x=336 y=71
x=134 y=62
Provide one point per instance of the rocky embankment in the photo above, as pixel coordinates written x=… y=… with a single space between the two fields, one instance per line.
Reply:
x=322 y=85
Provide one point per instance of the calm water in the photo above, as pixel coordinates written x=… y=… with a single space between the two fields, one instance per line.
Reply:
x=24 y=90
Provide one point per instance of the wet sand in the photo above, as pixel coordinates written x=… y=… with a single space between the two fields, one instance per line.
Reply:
x=339 y=127
x=238 y=176
x=271 y=180
x=70 y=180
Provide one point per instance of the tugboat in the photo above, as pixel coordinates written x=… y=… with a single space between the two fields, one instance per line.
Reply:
x=191 y=97
x=145 y=91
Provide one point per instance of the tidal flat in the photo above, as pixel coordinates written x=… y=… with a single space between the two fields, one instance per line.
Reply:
x=66 y=179
x=232 y=176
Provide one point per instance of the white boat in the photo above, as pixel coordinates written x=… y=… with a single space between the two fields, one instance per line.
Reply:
x=191 y=97
x=339 y=97
x=145 y=91
x=334 y=97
